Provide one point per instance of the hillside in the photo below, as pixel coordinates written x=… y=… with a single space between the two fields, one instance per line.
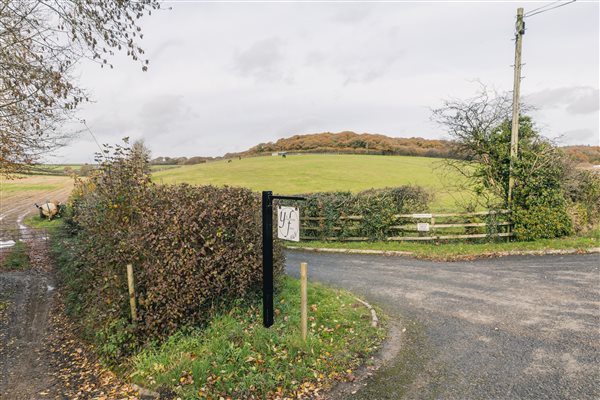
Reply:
x=350 y=142
x=584 y=154
x=322 y=172
x=363 y=143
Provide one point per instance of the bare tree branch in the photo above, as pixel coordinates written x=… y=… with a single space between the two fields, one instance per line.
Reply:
x=40 y=42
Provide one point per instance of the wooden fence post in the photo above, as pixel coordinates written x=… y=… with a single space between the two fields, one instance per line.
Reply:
x=131 y=293
x=303 y=299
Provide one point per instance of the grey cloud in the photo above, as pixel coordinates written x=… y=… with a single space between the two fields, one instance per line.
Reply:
x=314 y=58
x=586 y=103
x=164 y=47
x=298 y=126
x=263 y=60
x=580 y=136
x=367 y=70
x=159 y=115
x=356 y=65
x=106 y=128
x=352 y=13
x=393 y=57
x=575 y=99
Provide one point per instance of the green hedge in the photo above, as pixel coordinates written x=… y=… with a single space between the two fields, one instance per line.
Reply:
x=377 y=207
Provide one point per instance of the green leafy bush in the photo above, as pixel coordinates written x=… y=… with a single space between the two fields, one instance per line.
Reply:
x=193 y=250
x=543 y=216
x=539 y=201
x=482 y=128
x=583 y=191
x=328 y=212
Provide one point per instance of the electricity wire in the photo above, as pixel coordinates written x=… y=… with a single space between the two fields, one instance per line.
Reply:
x=544 y=6
x=94 y=137
x=544 y=9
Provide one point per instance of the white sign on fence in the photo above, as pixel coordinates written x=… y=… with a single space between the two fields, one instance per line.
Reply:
x=288 y=223
x=423 y=227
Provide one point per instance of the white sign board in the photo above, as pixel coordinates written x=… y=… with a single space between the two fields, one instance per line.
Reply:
x=423 y=227
x=288 y=223
x=422 y=215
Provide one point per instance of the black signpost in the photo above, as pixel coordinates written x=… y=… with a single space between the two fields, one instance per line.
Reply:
x=267 y=231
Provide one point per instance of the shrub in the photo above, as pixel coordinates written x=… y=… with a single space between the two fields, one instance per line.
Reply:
x=199 y=248
x=539 y=200
x=194 y=249
x=542 y=216
x=482 y=127
x=583 y=192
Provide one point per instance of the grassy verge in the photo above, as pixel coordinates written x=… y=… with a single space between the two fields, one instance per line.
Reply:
x=235 y=357
x=34 y=221
x=457 y=250
x=17 y=258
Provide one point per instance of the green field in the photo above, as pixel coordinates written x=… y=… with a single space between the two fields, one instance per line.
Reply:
x=297 y=174
x=6 y=188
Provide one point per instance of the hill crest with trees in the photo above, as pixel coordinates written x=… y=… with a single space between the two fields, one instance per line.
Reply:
x=363 y=143
x=355 y=143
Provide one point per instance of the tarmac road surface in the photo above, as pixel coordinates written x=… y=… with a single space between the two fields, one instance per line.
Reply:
x=505 y=328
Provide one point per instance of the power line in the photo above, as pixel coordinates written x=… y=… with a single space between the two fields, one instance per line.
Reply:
x=544 y=9
x=544 y=6
x=93 y=136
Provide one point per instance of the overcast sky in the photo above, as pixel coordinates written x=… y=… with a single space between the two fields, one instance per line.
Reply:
x=224 y=77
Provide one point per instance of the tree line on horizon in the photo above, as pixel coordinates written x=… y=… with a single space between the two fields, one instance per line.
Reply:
x=365 y=143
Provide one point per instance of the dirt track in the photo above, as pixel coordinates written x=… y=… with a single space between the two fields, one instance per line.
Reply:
x=27 y=297
x=40 y=357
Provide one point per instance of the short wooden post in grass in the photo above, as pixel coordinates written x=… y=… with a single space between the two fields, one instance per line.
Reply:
x=131 y=293
x=303 y=299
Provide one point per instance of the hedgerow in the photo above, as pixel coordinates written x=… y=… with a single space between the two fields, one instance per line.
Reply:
x=193 y=250
x=328 y=212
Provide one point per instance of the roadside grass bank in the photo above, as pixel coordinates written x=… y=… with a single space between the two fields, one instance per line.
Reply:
x=16 y=258
x=34 y=221
x=446 y=251
x=233 y=355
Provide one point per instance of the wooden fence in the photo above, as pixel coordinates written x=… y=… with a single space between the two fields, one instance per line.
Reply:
x=423 y=227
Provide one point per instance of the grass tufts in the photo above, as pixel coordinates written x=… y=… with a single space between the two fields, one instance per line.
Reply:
x=236 y=357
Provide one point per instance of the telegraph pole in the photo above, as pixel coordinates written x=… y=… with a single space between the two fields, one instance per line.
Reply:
x=514 y=138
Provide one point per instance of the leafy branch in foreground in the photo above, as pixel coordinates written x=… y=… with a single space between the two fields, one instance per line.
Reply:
x=40 y=43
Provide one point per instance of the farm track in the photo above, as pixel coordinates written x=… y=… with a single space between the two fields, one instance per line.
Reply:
x=40 y=356
x=28 y=298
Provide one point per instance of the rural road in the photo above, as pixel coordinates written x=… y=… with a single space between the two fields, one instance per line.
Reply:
x=507 y=328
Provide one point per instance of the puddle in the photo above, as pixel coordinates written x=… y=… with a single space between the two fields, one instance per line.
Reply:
x=4 y=244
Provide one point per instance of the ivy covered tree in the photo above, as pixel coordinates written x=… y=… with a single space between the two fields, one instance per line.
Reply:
x=481 y=129
x=40 y=43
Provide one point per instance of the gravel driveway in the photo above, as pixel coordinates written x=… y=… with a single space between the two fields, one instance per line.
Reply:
x=508 y=328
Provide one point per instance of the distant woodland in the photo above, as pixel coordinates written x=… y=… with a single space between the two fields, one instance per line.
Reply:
x=364 y=143
x=354 y=143
x=584 y=154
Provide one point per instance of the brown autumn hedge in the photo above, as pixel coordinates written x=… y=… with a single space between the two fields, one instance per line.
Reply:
x=200 y=247
x=194 y=250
